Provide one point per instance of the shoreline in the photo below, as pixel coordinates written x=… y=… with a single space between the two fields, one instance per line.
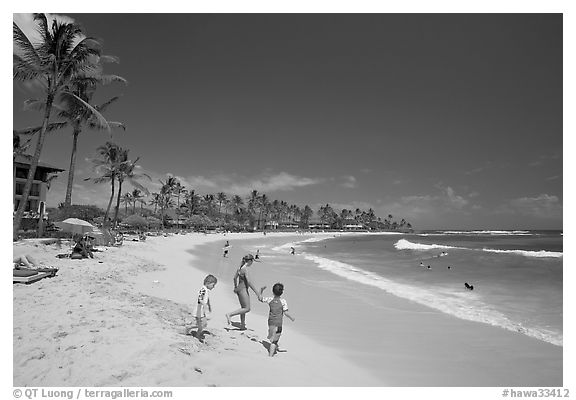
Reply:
x=155 y=283
x=105 y=332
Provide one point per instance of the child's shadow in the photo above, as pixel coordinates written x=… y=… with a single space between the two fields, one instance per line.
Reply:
x=267 y=347
x=190 y=332
x=238 y=327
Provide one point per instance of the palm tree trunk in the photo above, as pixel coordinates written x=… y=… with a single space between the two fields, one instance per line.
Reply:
x=109 y=204
x=117 y=204
x=20 y=212
x=68 y=199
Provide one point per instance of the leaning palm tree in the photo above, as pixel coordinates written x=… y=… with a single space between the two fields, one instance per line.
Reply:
x=126 y=172
x=107 y=166
x=62 y=54
x=76 y=114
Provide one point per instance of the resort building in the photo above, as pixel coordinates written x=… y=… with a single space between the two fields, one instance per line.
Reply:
x=350 y=224
x=37 y=198
x=316 y=223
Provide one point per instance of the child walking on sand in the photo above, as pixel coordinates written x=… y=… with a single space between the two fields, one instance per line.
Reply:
x=202 y=303
x=278 y=308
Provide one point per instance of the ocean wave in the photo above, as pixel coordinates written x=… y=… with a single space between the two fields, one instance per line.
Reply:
x=404 y=244
x=485 y=232
x=286 y=246
x=527 y=253
x=466 y=306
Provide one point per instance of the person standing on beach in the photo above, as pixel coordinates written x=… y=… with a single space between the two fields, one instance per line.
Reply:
x=292 y=250
x=243 y=281
x=278 y=308
x=202 y=304
x=226 y=248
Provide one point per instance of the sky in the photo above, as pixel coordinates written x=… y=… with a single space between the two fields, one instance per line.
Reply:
x=450 y=121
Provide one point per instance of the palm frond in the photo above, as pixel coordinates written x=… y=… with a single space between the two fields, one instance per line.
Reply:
x=109 y=59
x=108 y=79
x=97 y=117
x=112 y=124
x=102 y=107
x=50 y=128
x=24 y=71
x=43 y=28
x=34 y=104
x=27 y=51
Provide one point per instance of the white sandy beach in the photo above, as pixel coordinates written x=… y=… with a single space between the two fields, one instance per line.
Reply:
x=118 y=320
x=92 y=326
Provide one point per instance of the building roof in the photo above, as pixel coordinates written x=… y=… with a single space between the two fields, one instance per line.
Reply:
x=27 y=160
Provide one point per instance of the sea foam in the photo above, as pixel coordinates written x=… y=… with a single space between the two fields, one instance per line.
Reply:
x=468 y=305
x=404 y=244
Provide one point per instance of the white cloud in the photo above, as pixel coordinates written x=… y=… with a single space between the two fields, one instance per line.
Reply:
x=542 y=206
x=349 y=181
x=454 y=199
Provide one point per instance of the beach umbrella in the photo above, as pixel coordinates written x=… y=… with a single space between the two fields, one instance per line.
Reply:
x=75 y=225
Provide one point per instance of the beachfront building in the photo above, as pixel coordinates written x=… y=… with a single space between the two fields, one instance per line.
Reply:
x=37 y=198
x=281 y=225
x=350 y=224
x=316 y=223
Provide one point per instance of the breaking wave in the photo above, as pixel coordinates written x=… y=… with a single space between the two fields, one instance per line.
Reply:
x=466 y=306
x=404 y=244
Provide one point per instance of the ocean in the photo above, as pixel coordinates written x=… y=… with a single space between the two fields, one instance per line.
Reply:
x=516 y=275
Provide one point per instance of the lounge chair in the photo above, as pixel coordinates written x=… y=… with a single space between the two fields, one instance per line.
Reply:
x=25 y=275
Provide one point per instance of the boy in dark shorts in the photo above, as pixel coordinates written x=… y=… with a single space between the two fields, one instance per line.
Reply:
x=278 y=308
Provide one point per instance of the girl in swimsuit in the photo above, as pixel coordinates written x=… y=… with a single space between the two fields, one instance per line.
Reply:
x=242 y=282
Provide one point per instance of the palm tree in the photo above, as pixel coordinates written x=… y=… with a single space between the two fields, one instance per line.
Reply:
x=62 y=53
x=236 y=204
x=111 y=156
x=77 y=115
x=155 y=201
x=166 y=192
x=306 y=214
x=191 y=202
x=126 y=200
x=178 y=190
x=253 y=203
x=126 y=172
x=221 y=198
x=137 y=196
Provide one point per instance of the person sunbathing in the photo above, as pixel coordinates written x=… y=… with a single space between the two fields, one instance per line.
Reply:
x=26 y=261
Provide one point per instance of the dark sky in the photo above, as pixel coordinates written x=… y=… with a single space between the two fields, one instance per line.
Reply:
x=446 y=120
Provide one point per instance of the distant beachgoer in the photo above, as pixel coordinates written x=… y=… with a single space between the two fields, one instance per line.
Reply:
x=467 y=286
x=421 y=264
x=257 y=256
x=292 y=250
x=242 y=282
x=449 y=267
x=25 y=260
x=429 y=267
x=82 y=248
x=226 y=248
x=278 y=308
x=202 y=304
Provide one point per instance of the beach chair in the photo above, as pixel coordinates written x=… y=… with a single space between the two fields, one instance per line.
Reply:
x=27 y=276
